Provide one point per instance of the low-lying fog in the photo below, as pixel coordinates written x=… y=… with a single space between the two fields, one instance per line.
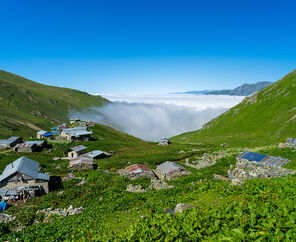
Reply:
x=151 y=117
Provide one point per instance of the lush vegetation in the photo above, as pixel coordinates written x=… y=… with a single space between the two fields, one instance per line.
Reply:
x=262 y=209
x=264 y=118
x=26 y=105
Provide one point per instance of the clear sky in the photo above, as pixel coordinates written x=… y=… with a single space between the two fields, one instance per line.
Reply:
x=148 y=46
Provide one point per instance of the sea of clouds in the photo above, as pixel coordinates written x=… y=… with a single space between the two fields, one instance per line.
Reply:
x=151 y=117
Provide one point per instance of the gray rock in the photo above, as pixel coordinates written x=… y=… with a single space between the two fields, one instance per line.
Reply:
x=136 y=188
x=181 y=207
x=158 y=185
x=4 y=218
x=170 y=211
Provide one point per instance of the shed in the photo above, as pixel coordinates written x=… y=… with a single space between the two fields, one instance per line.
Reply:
x=40 y=133
x=270 y=160
x=164 y=141
x=76 y=151
x=44 y=134
x=23 y=172
x=169 y=170
x=137 y=171
x=81 y=163
x=97 y=154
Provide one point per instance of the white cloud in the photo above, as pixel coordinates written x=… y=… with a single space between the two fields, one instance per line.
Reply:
x=152 y=117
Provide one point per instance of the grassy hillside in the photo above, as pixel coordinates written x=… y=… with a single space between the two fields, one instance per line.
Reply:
x=26 y=105
x=267 y=116
x=263 y=209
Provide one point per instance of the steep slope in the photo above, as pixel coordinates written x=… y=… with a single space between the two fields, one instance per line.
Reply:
x=267 y=116
x=26 y=105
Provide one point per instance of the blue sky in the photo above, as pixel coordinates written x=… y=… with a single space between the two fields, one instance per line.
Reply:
x=148 y=46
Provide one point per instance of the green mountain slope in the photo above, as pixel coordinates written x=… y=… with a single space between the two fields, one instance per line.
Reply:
x=267 y=116
x=26 y=105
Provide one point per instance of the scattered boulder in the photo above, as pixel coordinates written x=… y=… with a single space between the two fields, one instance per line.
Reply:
x=136 y=188
x=205 y=161
x=158 y=185
x=4 y=218
x=219 y=177
x=69 y=177
x=170 y=211
x=83 y=182
x=181 y=207
x=58 y=167
x=182 y=152
x=282 y=145
x=60 y=212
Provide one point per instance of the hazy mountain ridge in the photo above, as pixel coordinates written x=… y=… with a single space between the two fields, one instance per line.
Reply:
x=243 y=90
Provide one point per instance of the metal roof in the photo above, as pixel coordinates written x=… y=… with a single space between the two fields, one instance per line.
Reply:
x=75 y=129
x=79 y=160
x=78 y=148
x=291 y=141
x=28 y=144
x=169 y=167
x=80 y=133
x=267 y=159
x=25 y=166
x=94 y=153
x=9 y=141
x=41 y=132
x=137 y=168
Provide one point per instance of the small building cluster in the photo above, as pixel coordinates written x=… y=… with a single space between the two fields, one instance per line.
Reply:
x=79 y=159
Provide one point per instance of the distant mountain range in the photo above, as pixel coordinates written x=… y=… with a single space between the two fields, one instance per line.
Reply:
x=243 y=90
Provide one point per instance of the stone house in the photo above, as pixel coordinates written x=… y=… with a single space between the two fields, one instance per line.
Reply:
x=23 y=173
x=79 y=133
x=266 y=159
x=81 y=163
x=31 y=146
x=96 y=154
x=169 y=170
x=76 y=151
x=137 y=171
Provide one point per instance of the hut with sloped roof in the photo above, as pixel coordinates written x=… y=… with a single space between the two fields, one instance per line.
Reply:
x=23 y=172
